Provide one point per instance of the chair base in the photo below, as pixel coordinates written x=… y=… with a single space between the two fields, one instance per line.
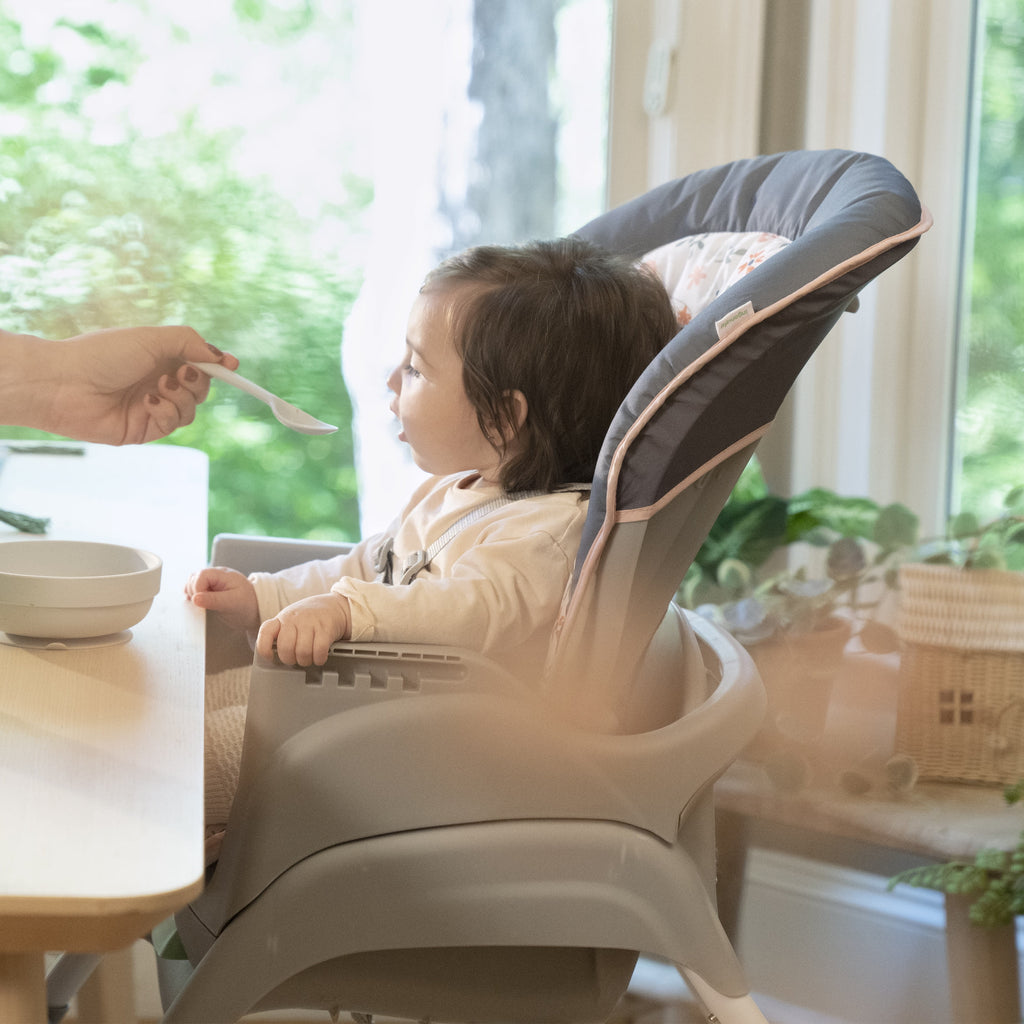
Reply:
x=557 y=886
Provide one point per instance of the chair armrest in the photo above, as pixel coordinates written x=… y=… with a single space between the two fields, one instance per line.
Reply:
x=269 y=554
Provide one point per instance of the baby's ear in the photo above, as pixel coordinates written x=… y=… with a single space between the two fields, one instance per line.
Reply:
x=517 y=409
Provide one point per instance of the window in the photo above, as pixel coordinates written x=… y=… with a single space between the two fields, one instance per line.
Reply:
x=956 y=707
x=989 y=433
x=280 y=174
x=149 y=173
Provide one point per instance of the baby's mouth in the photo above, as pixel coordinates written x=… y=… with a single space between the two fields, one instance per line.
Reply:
x=392 y=408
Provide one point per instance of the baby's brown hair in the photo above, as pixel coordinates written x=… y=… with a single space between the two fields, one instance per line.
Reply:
x=566 y=323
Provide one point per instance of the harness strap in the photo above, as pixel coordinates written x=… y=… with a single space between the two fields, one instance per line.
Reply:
x=417 y=561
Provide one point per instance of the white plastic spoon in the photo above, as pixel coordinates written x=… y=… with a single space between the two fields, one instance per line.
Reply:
x=286 y=413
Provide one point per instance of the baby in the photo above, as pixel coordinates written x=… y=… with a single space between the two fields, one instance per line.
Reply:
x=515 y=361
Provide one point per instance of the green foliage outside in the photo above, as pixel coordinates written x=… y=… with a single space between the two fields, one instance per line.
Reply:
x=990 y=420
x=164 y=229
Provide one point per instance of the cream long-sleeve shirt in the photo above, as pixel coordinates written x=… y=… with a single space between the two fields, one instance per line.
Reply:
x=496 y=587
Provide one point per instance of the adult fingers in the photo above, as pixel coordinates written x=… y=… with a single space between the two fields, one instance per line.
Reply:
x=181 y=398
x=199 y=350
x=196 y=383
x=159 y=416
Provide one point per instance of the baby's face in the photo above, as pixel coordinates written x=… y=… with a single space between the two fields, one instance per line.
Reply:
x=435 y=417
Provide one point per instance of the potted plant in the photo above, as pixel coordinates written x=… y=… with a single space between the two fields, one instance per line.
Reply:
x=959 y=622
x=798 y=622
x=970 y=543
x=737 y=579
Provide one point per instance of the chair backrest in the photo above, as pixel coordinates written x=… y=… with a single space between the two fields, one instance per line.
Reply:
x=693 y=419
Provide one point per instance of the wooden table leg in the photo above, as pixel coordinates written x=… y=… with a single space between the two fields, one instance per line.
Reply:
x=983 y=976
x=22 y=987
x=109 y=994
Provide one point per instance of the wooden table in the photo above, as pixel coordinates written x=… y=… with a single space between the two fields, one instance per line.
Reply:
x=884 y=833
x=101 y=751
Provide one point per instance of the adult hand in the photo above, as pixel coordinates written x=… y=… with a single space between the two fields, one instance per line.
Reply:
x=305 y=630
x=226 y=592
x=119 y=386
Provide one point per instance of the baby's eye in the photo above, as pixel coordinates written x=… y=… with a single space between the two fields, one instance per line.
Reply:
x=410 y=371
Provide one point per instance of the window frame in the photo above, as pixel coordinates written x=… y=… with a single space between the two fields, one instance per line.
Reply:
x=872 y=412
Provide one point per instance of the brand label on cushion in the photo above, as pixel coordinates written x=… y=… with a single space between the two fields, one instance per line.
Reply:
x=730 y=320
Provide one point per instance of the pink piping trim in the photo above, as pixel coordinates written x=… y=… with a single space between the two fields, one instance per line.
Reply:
x=742 y=326
x=638 y=515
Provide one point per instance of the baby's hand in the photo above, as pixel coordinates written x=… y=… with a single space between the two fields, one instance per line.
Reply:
x=226 y=592
x=305 y=630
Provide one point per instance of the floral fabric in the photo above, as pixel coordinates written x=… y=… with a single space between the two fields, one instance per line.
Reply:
x=698 y=268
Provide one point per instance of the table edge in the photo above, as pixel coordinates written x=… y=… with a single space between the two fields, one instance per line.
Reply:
x=83 y=924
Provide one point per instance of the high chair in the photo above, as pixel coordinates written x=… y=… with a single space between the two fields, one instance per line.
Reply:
x=419 y=835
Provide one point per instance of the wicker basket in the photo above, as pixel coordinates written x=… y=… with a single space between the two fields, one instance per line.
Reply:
x=961 y=702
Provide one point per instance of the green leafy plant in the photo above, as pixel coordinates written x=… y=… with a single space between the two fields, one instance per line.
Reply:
x=732 y=579
x=995 y=878
x=972 y=544
x=735 y=578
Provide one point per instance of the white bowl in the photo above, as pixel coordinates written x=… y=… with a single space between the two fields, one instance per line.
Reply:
x=69 y=589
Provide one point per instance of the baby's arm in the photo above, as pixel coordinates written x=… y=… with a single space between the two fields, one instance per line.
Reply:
x=305 y=630
x=228 y=593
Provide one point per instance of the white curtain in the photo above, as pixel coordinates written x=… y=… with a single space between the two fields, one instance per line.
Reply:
x=412 y=88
